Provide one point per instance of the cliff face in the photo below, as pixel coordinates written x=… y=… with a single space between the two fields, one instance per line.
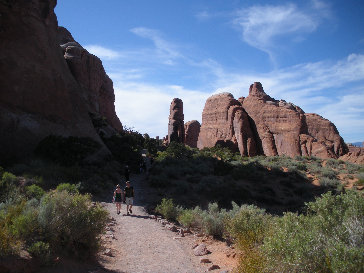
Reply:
x=89 y=72
x=259 y=124
x=41 y=92
x=225 y=122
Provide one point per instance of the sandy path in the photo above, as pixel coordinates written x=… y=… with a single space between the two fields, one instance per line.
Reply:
x=143 y=245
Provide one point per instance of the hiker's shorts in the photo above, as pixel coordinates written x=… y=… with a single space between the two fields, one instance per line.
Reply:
x=129 y=200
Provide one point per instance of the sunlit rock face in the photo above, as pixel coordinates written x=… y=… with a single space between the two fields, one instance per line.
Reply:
x=259 y=124
x=284 y=129
x=225 y=123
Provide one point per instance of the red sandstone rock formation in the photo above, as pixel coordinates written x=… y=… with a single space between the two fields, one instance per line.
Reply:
x=90 y=74
x=225 y=122
x=192 y=131
x=39 y=93
x=355 y=155
x=284 y=129
x=176 y=121
x=259 y=124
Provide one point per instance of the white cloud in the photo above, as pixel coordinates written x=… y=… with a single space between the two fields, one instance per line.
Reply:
x=333 y=90
x=102 y=52
x=146 y=106
x=165 y=50
x=261 y=25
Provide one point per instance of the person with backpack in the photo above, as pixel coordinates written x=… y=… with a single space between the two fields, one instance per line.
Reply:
x=118 y=198
x=129 y=197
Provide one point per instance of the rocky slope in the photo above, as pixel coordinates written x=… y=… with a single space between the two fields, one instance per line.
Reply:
x=355 y=155
x=45 y=88
x=259 y=124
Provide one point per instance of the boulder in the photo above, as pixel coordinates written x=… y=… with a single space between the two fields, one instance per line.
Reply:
x=201 y=250
x=176 y=122
x=192 y=131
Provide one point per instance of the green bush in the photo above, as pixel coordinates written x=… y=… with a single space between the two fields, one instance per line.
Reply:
x=360 y=181
x=34 y=191
x=9 y=242
x=352 y=168
x=329 y=173
x=72 y=225
x=167 y=209
x=176 y=150
x=40 y=250
x=70 y=188
x=213 y=220
x=159 y=180
x=329 y=183
x=249 y=226
x=328 y=239
x=190 y=217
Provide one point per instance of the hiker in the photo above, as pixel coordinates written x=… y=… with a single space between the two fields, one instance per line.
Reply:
x=129 y=196
x=141 y=169
x=117 y=199
x=126 y=172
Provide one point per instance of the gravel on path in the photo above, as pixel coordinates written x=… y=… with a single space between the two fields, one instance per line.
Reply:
x=141 y=244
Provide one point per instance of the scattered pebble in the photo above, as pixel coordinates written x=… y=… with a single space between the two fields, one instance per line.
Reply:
x=213 y=267
x=205 y=261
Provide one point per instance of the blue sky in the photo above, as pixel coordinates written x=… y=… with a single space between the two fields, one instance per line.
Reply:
x=310 y=53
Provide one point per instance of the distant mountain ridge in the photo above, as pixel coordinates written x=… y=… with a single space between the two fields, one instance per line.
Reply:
x=358 y=144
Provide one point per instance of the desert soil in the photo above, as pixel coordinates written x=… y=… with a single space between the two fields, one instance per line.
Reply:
x=137 y=243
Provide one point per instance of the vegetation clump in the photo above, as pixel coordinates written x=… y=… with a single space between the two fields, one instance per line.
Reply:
x=60 y=222
x=328 y=237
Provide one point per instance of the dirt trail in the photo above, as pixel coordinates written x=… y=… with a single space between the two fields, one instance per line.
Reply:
x=141 y=244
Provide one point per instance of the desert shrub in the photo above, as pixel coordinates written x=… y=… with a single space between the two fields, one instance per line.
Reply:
x=221 y=153
x=213 y=220
x=327 y=239
x=315 y=167
x=176 y=150
x=327 y=172
x=329 y=183
x=8 y=180
x=70 y=188
x=40 y=250
x=249 y=226
x=66 y=151
x=190 y=217
x=360 y=181
x=34 y=191
x=71 y=224
x=167 y=209
x=159 y=181
x=222 y=168
x=352 y=168
x=9 y=242
x=9 y=191
x=249 y=170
